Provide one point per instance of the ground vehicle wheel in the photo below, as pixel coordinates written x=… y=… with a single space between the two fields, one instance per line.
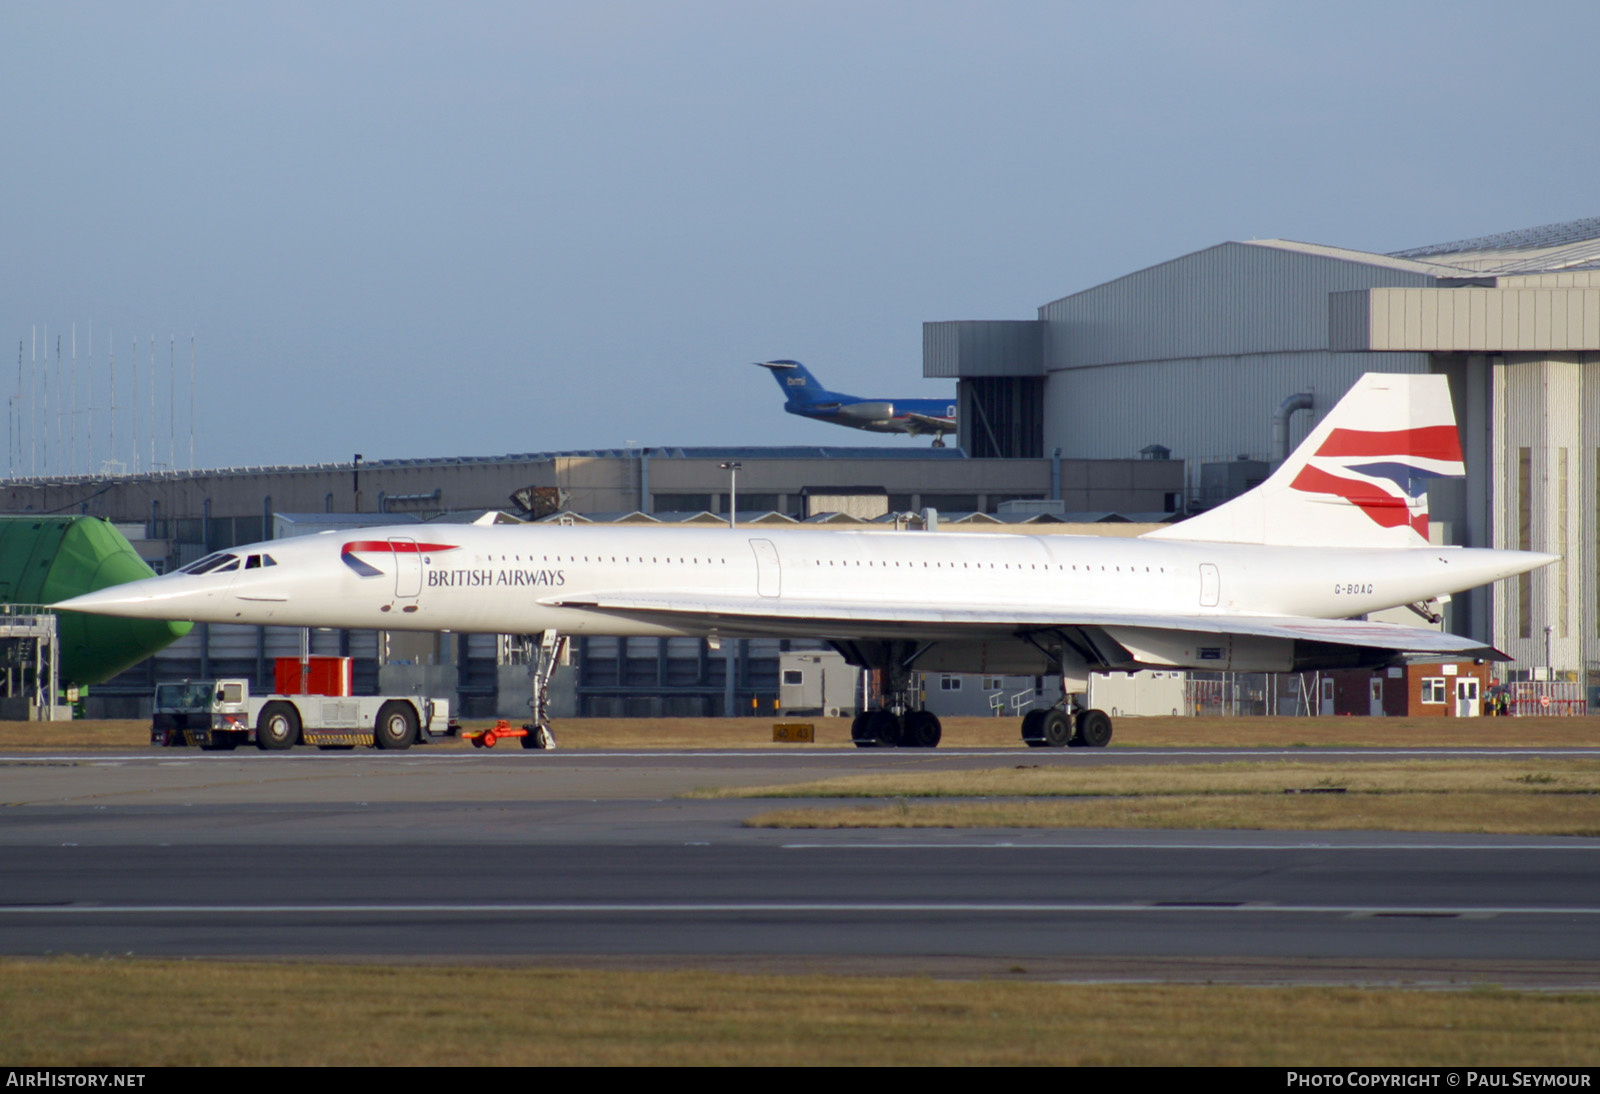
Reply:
x=335 y=748
x=884 y=728
x=221 y=742
x=1056 y=729
x=278 y=727
x=396 y=727
x=1032 y=734
x=488 y=739
x=922 y=730
x=1093 y=729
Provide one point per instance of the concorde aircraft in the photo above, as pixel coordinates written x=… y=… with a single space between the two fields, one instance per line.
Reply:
x=804 y=396
x=1276 y=580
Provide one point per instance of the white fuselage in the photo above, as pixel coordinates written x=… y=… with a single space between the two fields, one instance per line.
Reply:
x=1274 y=580
x=523 y=578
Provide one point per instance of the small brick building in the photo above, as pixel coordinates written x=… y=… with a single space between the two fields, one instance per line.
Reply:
x=1450 y=689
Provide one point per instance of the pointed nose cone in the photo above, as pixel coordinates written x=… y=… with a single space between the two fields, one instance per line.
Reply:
x=153 y=598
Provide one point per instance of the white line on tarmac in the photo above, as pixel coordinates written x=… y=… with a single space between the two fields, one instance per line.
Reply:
x=797 y=908
x=1008 y=845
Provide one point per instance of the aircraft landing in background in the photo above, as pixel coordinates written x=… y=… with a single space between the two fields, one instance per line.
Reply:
x=809 y=399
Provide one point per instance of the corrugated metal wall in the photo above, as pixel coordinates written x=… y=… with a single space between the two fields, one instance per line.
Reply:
x=1562 y=279
x=1201 y=408
x=1547 y=462
x=1230 y=300
x=1467 y=320
x=983 y=347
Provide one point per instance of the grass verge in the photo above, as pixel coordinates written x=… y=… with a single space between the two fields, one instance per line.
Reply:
x=134 y=1013
x=1531 y=797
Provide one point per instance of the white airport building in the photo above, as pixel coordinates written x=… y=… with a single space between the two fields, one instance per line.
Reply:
x=1228 y=355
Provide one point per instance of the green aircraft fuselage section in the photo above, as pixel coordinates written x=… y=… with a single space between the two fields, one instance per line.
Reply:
x=44 y=559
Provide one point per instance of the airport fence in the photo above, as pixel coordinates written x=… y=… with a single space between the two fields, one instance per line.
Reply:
x=1547 y=698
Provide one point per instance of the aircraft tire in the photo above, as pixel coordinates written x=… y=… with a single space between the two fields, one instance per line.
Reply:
x=278 y=727
x=1031 y=734
x=1093 y=729
x=922 y=730
x=396 y=727
x=1056 y=729
x=859 y=733
x=885 y=728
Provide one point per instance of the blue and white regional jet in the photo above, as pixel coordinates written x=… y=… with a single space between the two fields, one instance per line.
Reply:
x=809 y=399
x=1279 y=579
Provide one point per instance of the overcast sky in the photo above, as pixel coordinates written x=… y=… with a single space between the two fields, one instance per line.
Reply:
x=478 y=228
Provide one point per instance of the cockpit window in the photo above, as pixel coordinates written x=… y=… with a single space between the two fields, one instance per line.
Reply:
x=211 y=562
x=255 y=562
x=231 y=564
x=201 y=566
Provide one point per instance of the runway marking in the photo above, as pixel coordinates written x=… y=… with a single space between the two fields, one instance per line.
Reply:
x=1011 y=845
x=1166 y=908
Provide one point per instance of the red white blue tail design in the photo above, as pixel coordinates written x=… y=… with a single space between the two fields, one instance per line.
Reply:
x=1360 y=478
x=349 y=556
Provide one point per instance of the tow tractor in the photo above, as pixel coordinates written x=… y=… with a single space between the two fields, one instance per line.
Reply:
x=220 y=715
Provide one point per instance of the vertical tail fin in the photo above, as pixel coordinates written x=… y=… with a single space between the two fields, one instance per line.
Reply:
x=1359 y=479
x=799 y=386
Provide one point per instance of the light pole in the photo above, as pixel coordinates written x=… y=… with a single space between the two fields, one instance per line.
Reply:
x=730 y=662
x=732 y=467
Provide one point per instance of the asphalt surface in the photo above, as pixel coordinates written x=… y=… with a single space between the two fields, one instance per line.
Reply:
x=590 y=858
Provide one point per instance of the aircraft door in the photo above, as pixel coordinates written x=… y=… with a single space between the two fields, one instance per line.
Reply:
x=407 y=568
x=1467 y=704
x=1210 y=585
x=769 y=575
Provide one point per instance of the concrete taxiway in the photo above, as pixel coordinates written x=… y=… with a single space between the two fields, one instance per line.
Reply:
x=588 y=856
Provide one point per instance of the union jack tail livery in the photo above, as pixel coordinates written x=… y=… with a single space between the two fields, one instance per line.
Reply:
x=1359 y=480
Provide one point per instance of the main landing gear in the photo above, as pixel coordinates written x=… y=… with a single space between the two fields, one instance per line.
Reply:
x=886 y=729
x=1056 y=728
x=895 y=724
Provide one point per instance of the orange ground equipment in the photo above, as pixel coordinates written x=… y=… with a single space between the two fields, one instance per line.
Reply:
x=500 y=731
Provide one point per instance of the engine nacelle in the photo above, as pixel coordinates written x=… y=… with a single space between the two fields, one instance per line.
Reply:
x=867 y=412
x=1206 y=650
